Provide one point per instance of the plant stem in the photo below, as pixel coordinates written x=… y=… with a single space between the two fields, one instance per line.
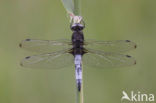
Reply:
x=79 y=95
x=76 y=7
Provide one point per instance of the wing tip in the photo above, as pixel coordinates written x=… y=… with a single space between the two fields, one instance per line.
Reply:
x=128 y=56
x=21 y=63
x=135 y=46
x=20 y=45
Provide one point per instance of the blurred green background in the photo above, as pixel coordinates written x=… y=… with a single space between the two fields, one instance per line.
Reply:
x=105 y=20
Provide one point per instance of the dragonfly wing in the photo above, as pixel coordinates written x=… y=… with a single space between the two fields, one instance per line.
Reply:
x=54 y=60
x=111 y=46
x=100 y=59
x=45 y=46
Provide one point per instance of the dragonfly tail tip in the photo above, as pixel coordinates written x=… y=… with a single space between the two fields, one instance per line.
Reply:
x=79 y=87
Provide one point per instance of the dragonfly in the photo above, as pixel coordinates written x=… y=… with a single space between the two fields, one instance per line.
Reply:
x=55 y=54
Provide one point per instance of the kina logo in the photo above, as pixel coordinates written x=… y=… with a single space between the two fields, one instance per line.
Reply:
x=137 y=97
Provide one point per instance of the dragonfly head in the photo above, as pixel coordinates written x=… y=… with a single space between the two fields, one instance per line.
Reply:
x=77 y=23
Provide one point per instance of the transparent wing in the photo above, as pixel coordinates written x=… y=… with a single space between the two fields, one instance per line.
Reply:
x=100 y=59
x=54 y=60
x=111 y=46
x=45 y=46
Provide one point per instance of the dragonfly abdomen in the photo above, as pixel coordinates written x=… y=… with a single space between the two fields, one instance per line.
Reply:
x=78 y=71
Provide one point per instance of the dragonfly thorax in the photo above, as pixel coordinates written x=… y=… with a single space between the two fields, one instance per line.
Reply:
x=77 y=42
x=77 y=37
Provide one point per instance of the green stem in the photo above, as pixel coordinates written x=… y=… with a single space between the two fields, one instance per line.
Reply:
x=76 y=7
x=79 y=95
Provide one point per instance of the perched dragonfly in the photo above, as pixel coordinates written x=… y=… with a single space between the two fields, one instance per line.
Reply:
x=65 y=53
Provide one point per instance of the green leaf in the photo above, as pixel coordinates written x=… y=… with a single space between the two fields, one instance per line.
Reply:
x=69 y=5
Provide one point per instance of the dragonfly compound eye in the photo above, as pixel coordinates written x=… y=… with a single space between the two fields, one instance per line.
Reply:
x=77 y=27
